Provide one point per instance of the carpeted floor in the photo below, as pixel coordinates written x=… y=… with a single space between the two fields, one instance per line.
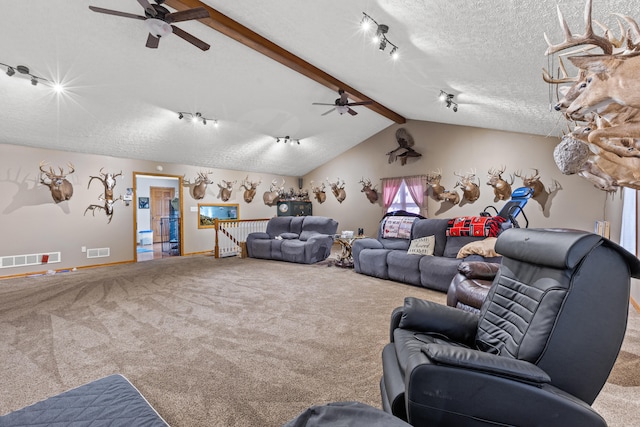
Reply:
x=228 y=342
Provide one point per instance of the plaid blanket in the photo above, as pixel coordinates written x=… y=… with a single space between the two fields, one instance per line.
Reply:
x=480 y=226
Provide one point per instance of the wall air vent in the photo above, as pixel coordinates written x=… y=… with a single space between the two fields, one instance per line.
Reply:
x=30 y=259
x=98 y=253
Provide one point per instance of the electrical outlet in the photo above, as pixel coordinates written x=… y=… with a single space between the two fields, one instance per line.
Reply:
x=193 y=209
x=83 y=249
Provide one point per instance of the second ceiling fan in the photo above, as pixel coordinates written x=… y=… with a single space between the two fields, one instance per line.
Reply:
x=159 y=21
x=342 y=104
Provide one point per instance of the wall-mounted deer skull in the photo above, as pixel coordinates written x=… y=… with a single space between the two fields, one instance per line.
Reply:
x=198 y=188
x=337 y=188
x=369 y=190
x=108 y=181
x=61 y=189
x=249 y=188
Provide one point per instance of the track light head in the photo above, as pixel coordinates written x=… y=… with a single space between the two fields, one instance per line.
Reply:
x=34 y=81
x=204 y=121
x=180 y=116
x=10 y=71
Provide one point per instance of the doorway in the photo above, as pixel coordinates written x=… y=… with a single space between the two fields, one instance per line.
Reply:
x=158 y=216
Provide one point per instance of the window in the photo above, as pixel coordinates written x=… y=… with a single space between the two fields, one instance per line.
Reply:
x=403 y=201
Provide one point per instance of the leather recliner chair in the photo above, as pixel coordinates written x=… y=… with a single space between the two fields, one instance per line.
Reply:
x=537 y=354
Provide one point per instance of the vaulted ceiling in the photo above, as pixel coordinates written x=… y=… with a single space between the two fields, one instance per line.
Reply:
x=268 y=62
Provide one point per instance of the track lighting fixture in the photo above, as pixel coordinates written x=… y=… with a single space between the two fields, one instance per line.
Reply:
x=24 y=70
x=380 y=37
x=447 y=99
x=286 y=139
x=196 y=117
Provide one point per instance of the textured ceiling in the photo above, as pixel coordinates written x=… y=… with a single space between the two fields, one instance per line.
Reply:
x=122 y=98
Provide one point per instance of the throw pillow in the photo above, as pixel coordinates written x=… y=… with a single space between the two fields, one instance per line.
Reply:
x=422 y=246
x=481 y=247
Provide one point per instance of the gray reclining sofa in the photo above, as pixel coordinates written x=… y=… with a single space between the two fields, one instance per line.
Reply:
x=301 y=239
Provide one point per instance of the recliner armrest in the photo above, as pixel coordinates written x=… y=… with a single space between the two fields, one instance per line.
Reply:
x=476 y=360
x=427 y=316
x=479 y=269
x=258 y=235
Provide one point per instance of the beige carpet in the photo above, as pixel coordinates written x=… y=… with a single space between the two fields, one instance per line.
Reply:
x=229 y=342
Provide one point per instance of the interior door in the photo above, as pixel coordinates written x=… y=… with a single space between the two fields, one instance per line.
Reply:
x=160 y=201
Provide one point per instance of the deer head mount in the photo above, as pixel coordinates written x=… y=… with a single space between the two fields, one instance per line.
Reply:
x=250 y=188
x=198 y=188
x=318 y=192
x=501 y=188
x=369 y=190
x=605 y=96
x=337 y=188
x=276 y=191
x=108 y=181
x=225 y=190
x=60 y=188
x=467 y=182
x=438 y=192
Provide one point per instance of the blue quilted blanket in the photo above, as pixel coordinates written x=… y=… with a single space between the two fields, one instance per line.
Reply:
x=110 y=401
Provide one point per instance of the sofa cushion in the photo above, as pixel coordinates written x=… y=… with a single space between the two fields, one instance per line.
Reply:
x=278 y=225
x=436 y=272
x=319 y=224
x=307 y=234
x=455 y=243
x=432 y=227
x=422 y=246
x=373 y=262
x=403 y=267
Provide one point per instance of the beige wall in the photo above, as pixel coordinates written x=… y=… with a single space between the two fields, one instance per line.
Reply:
x=576 y=204
x=30 y=221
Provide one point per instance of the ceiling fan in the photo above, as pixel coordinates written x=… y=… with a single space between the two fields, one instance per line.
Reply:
x=342 y=104
x=159 y=21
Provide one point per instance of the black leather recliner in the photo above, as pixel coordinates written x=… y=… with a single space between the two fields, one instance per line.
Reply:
x=538 y=353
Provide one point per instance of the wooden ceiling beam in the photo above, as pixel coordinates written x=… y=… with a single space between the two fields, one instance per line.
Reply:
x=255 y=41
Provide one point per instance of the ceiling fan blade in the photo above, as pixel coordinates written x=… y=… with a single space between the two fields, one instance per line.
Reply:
x=320 y=103
x=116 y=12
x=152 y=41
x=191 y=39
x=324 y=114
x=147 y=7
x=186 y=15
x=352 y=112
x=351 y=104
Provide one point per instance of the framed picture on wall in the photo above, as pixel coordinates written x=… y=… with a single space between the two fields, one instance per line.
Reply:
x=143 y=202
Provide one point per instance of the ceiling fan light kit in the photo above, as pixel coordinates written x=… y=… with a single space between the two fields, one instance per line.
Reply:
x=159 y=21
x=342 y=104
x=380 y=38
